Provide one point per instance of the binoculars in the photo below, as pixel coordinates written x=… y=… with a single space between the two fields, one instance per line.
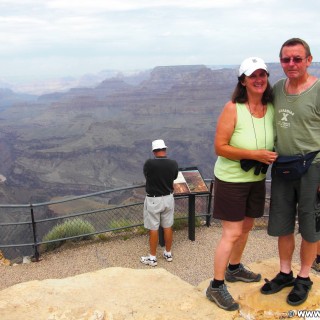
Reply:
x=247 y=164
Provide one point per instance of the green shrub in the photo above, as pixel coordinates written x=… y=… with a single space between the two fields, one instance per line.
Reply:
x=121 y=223
x=180 y=224
x=103 y=237
x=141 y=230
x=70 y=228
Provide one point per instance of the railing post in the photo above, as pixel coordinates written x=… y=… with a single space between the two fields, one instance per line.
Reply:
x=192 y=217
x=161 y=237
x=36 y=252
x=208 y=217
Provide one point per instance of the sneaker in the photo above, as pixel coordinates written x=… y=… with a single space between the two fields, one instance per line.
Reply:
x=242 y=274
x=167 y=256
x=221 y=297
x=147 y=260
x=316 y=266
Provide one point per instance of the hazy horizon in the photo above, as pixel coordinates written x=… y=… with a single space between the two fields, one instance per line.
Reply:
x=51 y=39
x=64 y=82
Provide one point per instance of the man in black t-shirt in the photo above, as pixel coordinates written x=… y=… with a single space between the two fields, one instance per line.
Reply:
x=160 y=173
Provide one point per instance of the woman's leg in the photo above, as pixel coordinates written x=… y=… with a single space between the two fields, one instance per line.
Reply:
x=231 y=231
x=240 y=244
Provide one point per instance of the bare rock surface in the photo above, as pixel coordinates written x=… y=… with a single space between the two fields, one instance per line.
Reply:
x=112 y=293
x=122 y=293
x=106 y=281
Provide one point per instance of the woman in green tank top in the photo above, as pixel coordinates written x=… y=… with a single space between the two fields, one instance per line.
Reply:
x=244 y=132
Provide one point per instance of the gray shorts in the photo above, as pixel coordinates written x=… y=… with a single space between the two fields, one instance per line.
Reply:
x=291 y=198
x=158 y=211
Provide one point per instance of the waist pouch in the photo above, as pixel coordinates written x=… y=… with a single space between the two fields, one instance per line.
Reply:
x=293 y=167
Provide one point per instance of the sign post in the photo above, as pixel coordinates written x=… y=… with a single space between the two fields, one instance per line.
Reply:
x=190 y=182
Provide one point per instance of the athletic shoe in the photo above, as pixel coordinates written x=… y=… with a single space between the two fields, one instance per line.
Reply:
x=221 y=297
x=167 y=256
x=147 y=260
x=242 y=274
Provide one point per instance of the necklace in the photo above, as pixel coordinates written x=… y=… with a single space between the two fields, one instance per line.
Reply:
x=253 y=113
x=254 y=129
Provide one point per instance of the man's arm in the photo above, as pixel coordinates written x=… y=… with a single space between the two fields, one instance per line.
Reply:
x=145 y=168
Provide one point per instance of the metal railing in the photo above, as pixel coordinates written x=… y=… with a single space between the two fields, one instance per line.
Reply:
x=27 y=225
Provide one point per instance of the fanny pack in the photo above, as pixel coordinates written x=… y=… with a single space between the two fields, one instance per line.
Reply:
x=293 y=167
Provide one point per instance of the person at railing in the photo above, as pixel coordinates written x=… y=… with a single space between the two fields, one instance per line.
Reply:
x=160 y=173
x=297 y=126
x=243 y=142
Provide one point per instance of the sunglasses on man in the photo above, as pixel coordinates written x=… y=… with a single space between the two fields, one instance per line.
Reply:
x=293 y=59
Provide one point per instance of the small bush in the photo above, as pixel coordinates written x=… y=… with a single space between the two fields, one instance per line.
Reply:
x=70 y=228
x=180 y=224
x=141 y=230
x=103 y=237
x=121 y=223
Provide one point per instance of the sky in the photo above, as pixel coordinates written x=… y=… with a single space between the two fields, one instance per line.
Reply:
x=43 y=39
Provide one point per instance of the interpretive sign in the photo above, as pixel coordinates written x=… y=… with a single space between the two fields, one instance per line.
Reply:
x=189 y=181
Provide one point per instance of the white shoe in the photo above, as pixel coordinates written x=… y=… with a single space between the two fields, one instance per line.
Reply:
x=147 y=260
x=167 y=256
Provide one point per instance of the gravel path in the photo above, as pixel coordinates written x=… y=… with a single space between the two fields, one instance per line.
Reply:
x=192 y=259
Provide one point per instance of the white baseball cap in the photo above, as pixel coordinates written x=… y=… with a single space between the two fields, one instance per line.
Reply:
x=158 y=144
x=250 y=65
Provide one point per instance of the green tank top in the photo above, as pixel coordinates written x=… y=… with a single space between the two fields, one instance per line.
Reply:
x=250 y=133
x=297 y=120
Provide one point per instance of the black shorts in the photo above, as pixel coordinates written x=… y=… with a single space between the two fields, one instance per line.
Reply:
x=235 y=201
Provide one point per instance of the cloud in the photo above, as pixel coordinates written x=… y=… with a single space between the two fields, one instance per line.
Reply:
x=127 y=5
x=91 y=35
